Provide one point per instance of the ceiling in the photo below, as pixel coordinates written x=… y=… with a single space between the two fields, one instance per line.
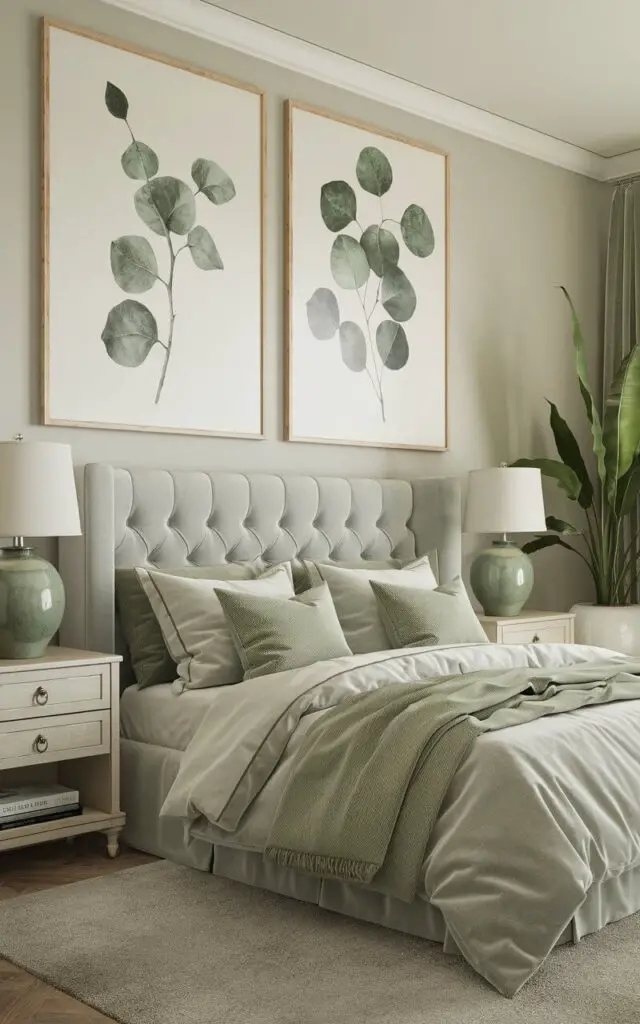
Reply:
x=567 y=68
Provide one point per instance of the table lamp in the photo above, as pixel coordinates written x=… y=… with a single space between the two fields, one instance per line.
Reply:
x=503 y=500
x=37 y=499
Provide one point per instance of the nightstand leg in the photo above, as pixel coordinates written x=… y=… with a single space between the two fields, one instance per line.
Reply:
x=113 y=844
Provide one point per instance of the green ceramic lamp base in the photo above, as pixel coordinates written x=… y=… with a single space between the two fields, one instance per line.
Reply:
x=31 y=603
x=502 y=578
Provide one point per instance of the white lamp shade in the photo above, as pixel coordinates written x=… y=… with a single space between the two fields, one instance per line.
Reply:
x=505 y=500
x=37 y=490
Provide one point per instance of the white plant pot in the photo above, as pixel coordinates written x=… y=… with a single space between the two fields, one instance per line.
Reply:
x=614 y=627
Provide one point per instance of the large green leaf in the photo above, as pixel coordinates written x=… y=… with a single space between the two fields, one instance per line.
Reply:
x=585 y=390
x=212 y=181
x=560 y=526
x=569 y=452
x=417 y=231
x=130 y=333
x=628 y=490
x=203 y=249
x=353 y=346
x=166 y=204
x=621 y=423
x=381 y=247
x=392 y=344
x=338 y=206
x=116 y=101
x=373 y=171
x=548 y=541
x=397 y=294
x=349 y=264
x=323 y=314
x=564 y=475
x=139 y=161
x=134 y=264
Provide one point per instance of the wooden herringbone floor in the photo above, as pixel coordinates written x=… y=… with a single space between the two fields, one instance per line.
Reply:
x=24 y=999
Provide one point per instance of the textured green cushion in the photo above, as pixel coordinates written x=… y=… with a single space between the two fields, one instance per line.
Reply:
x=422 y=618
x=151 y=662
x=194 y=626
x=272 y=635
x=356 y=605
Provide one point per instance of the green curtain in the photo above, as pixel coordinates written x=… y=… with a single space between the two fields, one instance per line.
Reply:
x=622 y=307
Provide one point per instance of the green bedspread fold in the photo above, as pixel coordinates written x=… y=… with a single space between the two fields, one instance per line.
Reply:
x=367 y=784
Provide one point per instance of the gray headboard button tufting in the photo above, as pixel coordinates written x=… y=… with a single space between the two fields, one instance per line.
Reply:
x=174 y=518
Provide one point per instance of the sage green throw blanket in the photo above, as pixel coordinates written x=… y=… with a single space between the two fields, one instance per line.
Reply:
x=367 y=784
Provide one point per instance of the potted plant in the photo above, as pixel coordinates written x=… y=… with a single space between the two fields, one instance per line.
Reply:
x=611 y=621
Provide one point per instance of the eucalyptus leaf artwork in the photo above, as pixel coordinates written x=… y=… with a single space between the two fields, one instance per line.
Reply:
x=365 y=259
x=168 y=208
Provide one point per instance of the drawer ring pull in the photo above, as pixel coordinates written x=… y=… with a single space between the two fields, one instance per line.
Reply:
x=41 y=744
x=41 y=696
x=535 y=639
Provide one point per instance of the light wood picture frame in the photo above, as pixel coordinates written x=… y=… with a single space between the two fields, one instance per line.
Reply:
x=153 y=239
x=367 y=284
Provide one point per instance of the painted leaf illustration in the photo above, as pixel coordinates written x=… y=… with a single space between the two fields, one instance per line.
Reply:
x=373 y=171
x=417 y=231
x=139 y=161
x=212 y=181
x=130 y=333
x=116 y=101
x=353 y=346
x=392 y=344
x=338 y=204
x=203 y=249
x=323 y=314
x=397 y=294
x=134 y=264
x=166 y=204
x=349 y=264
x=381 y=247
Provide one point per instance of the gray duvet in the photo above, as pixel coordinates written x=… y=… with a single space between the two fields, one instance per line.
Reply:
x=535 y=815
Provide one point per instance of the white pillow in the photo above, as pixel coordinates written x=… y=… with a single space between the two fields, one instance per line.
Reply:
x=355 y=601
x=194 y=626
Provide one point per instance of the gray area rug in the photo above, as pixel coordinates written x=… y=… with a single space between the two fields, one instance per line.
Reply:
x=164 y=944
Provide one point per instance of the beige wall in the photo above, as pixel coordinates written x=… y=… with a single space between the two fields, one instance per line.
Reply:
x=518 y=228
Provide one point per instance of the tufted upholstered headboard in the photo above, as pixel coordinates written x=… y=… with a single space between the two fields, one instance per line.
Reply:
x=175 y=518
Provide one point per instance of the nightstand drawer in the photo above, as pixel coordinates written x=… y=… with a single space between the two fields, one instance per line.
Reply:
x=54 y=739
x=46 y=692
x=534 y=632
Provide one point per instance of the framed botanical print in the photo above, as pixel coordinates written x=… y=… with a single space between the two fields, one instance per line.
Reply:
x=367 y=285
x=153 y=233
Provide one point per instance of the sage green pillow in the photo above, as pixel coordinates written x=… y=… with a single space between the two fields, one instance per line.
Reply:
x=356 y=605
x=272 y=634
x=194 y=626
x=423 y=618
x=151 y=662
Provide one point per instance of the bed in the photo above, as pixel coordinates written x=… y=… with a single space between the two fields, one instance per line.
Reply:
x=153 y=517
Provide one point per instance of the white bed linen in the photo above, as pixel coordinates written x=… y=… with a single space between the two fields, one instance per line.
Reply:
x=535 y=817
x=161 y=717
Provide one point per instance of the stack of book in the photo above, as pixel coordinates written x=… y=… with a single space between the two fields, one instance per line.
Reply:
x=32 y=805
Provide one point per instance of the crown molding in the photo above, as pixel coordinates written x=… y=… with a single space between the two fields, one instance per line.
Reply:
x=203 y=19
x=626 y=165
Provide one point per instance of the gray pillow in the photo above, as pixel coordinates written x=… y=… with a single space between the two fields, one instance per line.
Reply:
x=194 y=627
x=313 y=572
x=272 y=634
x=423 y=618
x=355 y=602
x=151 y=662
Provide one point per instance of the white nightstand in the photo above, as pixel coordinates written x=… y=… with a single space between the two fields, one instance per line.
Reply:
x=530 y=628
x=59 y=722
